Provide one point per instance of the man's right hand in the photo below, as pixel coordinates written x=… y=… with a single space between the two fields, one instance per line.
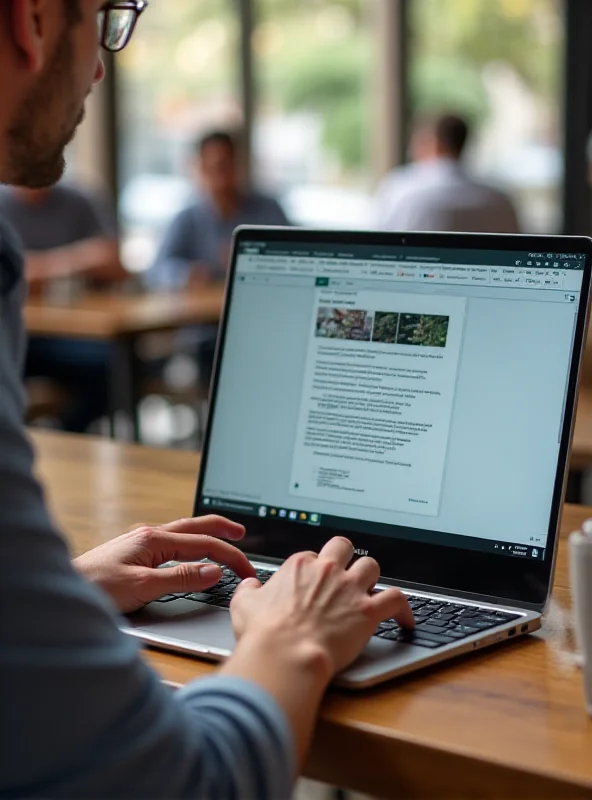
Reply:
x=309 y=621
x=316 y=602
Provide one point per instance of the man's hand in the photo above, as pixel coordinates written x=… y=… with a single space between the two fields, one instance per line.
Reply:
x=309 y=621
x=315 y=603
x=126 y=567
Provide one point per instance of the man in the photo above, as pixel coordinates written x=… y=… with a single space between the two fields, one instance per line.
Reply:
x=71 y=243
x=81 y=714
x=196 y=247
x=435 y=193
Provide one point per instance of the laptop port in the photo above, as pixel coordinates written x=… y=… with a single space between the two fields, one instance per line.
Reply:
x=524 y=628
x=512 y=632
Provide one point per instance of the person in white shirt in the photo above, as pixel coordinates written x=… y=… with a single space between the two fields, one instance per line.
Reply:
x=435 y=192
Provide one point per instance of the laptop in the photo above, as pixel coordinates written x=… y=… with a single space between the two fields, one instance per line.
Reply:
x=413 y=392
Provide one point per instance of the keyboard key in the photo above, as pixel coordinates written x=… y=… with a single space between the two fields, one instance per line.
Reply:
x=200 y=597
x=391 y=635
x=498 y=619
x=428 y=628
x=166 y=598
x=429 y=643
x=221 y=602
x=466 y=629
x=411 y=637
x=482 y=624
x=387 y=625
x=439 y=623
x=453 y=634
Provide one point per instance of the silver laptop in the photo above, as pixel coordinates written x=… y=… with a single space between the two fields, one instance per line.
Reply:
x=414 y=393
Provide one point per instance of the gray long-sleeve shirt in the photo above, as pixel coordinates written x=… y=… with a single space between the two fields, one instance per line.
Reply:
x=81 y=714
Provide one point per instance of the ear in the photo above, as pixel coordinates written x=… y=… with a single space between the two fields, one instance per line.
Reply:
x=29 y=30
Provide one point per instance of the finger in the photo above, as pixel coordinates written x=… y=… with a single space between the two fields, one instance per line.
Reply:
x=183 y=578
x=393 y=603
x=366 y=573
x=248 y=585
x=211 y=525
x=338 y=549
x=165 y=546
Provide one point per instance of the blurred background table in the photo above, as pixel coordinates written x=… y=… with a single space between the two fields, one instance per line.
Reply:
x=508 y=722
x=121 y=319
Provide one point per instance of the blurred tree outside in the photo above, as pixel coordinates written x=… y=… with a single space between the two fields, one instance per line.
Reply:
x=315 y=66
x=453 y=41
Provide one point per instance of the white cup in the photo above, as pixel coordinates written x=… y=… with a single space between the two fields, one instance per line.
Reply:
x=580 y=562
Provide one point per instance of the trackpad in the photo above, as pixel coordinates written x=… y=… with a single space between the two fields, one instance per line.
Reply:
x=186 y=622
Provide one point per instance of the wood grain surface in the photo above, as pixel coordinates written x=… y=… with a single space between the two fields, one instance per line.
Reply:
x=508 y=722
x=105 y=315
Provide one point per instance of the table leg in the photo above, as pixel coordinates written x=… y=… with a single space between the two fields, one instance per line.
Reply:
x=124 y=388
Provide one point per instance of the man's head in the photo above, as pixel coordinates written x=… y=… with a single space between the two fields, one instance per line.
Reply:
x=217 y=165
x=442 y=136
x=49 y=60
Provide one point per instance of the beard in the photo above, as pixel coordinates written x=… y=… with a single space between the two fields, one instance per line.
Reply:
x=45 y=123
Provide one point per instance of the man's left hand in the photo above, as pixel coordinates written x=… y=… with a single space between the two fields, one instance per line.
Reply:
x=127 y=567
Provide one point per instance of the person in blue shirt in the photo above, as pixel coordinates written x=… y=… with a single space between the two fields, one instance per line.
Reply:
x=196 y=247
x=81 y=713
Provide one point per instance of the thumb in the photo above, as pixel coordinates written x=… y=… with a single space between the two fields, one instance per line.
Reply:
x=247 y=586
x=189 y=577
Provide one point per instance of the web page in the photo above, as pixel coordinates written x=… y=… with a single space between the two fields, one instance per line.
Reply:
x=377 y=399
x=420 y=396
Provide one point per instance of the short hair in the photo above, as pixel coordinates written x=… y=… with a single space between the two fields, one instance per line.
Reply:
x=216 y=137
x=452 y=133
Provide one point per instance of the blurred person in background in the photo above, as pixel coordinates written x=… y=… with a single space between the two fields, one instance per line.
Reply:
x=196 y=247
x=436 y=192
x=70 y=242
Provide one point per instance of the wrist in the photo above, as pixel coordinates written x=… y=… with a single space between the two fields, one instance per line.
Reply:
x=291 y=653
x=294 y=671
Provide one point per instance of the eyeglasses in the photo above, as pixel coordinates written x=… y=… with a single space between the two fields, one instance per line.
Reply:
x=117 y=21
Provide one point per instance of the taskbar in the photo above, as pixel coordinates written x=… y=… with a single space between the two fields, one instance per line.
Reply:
x=347 y=524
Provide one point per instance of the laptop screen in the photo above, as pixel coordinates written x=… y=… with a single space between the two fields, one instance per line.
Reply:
x=399 y=391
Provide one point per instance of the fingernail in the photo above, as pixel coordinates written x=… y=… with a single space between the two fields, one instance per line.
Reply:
x=210 y=572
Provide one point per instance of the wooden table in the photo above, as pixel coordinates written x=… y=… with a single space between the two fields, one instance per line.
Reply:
x=508 y=722
x=120 y=319
x=581 y=451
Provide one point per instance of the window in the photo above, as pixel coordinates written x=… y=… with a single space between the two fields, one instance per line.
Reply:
x=312 y=142
x=499 y=62
x=176 y=80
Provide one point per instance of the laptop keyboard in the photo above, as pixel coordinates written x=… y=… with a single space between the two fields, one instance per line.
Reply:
x=438 y=622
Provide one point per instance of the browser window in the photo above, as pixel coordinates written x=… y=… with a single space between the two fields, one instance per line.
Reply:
x=413 y=394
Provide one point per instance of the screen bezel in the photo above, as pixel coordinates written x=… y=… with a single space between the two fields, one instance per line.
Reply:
x=524 y=582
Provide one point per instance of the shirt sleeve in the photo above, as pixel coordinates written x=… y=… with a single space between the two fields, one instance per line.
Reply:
x=82 y=715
